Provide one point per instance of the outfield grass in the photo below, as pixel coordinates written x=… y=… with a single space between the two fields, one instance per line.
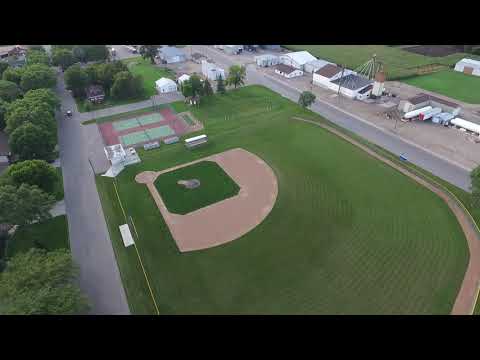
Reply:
x=450 y=83
x=215 y=186
x=51 y=234
x=398 y=62
x=348 y=234
x=150 y=73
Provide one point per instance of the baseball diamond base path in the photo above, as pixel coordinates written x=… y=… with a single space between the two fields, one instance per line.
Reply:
x=466 y=298
x=228 y=219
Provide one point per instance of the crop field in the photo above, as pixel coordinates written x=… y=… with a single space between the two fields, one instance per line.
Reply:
x=347 y=234
x=398 y=63
x=453 y=84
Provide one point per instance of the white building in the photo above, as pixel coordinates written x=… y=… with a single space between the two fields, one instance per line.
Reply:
x=183 y=78
x=172 y=55
x=267 y=60
x=119 y=158
x=326 y=74
x=314 y=65
x=165 y=85
x=211 y=71
x=287 y=71
x=297 y=59
x=468 y=66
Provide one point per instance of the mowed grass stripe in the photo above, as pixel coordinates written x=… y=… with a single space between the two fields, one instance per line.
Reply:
x=348 y=234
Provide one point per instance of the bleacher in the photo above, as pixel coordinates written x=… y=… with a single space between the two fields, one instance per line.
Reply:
x=152 y=145
x=171 y=140
x=196 y=141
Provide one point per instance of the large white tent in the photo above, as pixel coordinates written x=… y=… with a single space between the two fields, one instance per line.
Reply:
x=165 y=85
x=468 y=66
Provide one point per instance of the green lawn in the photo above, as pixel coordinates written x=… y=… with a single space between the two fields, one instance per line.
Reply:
x=150 y=73
x=59 y=185
x=450 y=83
x=398 y=62
x=347 y=235
x=215 y=186
x=51 y=234
x=84 y=105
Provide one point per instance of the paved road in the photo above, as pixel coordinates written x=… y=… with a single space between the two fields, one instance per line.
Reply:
x=89 y=238
x=441 y=167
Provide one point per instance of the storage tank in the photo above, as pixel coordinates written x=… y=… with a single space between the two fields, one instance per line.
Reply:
x=417 y=112
x=429 y=113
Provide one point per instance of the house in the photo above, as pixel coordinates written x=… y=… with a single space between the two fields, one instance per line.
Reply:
x=314 y=65
x=267 y=60
x=287 y=71
x=165 y=85
x=183 y=78
x=233 y=49
x=325 y=74
x=14 y=55
x=170 y=55
x=297 y=59
x=422 y=100
x=211 y=71
x=95 y=93
x=468 y=66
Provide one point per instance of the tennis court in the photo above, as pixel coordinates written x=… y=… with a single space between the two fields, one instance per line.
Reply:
x=134 y=138
x=158 y=132
x=150 y=118
x=125 y=124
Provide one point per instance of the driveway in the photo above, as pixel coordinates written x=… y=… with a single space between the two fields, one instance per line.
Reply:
x=422 y=157
x=90 y=243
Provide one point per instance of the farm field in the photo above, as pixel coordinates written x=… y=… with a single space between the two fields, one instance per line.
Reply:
x=398 y=62
x=347 y=235
x=150 y=73
x=51 y=234
x=454 y=84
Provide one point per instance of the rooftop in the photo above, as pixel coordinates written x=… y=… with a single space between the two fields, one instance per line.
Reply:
x=329 y=70
x=171 y=51
x=353 y=82
x=471 y=61
x=301 y=57
x=420 y=98
x=164 y=81
x=287 y=69
x=94 y=90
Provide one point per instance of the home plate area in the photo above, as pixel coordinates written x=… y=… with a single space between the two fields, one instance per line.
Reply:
x=235 y=192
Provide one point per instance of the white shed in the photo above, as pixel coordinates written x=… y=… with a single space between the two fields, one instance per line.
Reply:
x=297 y=59
x=287 y=71
x=267 y=60
x=183 y=78
x=468 y=66
x=165 y=85
x=211 y=71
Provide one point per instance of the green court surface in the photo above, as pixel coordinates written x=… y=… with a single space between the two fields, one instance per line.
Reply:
x=160 y=131
x=150 y=118
x=125 y=124
x=134 y=138
x=187 y=119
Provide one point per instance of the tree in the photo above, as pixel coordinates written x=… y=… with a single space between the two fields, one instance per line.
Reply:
x=197 y=86
x=37 y=76
x=78 y=53
x=31 y=141
x=3 y=67
x=207 y=88
x=43 y=95
x=39 y=282
x=24 y=204
x=475 y=177
x=37 y=57
x=95 y=52
x=236 y=75
x=37 y=48
x=220 y=85
x=32 y=110
x=63 y=58
x=105 y=73
x=126 y=86
x=9 y=91
x=34 y=172
x=76 y=80
x=186 y=88
x=3 y=110
x=306 y=99
x=13 y=74
x=149 y=52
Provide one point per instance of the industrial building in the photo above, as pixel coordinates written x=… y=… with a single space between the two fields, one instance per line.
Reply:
x=287 y=71
x=165 y=85
x=422 y=100
x=468 y=66
x=211 y=71
x=297 y=59
x=170 y=55
x=314 y=65
x=267 y=60
x=353 y=86
x=327 y=73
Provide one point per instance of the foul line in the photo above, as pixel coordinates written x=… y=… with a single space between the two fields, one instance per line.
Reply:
x=476 y=299
x=135 y=246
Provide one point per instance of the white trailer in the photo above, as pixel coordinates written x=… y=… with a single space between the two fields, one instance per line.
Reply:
x=412 y=114
x=467 y=125
x=429 y=113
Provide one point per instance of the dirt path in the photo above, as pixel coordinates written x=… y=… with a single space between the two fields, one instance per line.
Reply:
x=228 y=219
x=465 y=300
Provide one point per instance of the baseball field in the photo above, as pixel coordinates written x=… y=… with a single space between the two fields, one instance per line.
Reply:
x=347 y=234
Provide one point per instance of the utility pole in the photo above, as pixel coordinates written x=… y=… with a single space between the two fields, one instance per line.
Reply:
x=341 y=77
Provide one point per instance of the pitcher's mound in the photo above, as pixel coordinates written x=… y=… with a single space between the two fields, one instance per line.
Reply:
x=226 y=220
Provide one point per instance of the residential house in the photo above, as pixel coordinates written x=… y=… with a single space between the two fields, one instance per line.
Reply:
x=287 y=71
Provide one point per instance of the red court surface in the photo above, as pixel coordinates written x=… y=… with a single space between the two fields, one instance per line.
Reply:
x=112 y=137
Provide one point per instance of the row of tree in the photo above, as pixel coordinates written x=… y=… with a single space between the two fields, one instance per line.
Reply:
x=115 y=78
x=67 y=55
